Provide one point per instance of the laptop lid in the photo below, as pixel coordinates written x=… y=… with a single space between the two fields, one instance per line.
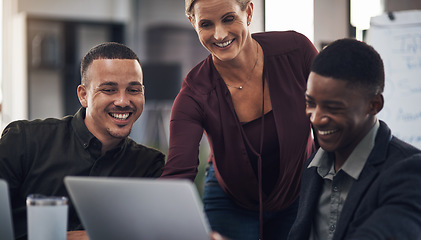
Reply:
x=137 y=208
x=6 y=225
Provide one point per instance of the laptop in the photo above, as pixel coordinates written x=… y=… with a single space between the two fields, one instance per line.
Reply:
x=138 y=208
x=6 y=225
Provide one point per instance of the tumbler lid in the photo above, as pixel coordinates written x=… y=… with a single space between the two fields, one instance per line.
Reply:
x=42 y=200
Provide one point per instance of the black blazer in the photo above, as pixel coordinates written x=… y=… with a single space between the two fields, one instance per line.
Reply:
x=384 y=203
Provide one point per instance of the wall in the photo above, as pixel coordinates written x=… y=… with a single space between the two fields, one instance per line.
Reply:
x=107 y=10
x=331 y=21
x=148 y=14
x=15 y=84
x=331 y=17
x=399 y=5
x=138 y=16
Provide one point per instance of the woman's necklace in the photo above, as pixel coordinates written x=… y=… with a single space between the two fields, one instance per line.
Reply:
x=251 y=73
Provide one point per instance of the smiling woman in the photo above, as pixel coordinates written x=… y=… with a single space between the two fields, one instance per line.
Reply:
x=248 y=97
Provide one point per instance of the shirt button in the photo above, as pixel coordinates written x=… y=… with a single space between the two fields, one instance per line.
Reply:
x=335 y=189
x=85 y=145
x=332 y=228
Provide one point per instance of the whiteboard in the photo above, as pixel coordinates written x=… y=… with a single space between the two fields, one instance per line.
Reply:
x=397 y=38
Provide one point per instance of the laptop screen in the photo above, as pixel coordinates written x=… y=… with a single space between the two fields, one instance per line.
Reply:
x=6 y=225
x=135 y=208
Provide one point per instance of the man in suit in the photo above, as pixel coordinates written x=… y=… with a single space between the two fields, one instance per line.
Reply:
x=363 y=182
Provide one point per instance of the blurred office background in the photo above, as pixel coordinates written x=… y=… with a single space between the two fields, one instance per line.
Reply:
x=42 y=42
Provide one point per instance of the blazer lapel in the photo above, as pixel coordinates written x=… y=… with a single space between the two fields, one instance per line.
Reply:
x=367 y=176
x=352 y=201
x=308 y=201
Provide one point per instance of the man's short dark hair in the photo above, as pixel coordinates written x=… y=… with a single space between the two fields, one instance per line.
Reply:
x=353 y=61
x=107 y=50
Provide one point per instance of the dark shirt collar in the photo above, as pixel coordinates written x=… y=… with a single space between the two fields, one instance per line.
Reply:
x=83 y=134
x=354 y=164
x=86 y=138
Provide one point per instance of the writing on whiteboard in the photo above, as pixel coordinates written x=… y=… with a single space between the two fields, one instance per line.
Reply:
x=408 y=47
x=399 y=45
x=408 y=116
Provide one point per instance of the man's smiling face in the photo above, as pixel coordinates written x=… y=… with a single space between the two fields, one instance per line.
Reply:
x=113 y=98
x=340 y=115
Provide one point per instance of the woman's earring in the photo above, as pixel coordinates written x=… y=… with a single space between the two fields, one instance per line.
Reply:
x=248 y=23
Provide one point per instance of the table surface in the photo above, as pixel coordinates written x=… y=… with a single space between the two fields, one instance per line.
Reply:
x=77 y=235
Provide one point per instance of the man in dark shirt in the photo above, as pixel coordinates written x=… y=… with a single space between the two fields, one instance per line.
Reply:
x=36 y=155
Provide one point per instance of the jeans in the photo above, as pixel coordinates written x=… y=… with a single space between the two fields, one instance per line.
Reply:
x=237 y=223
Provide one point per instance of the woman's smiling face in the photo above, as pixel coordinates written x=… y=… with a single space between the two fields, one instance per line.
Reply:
x=221 y=26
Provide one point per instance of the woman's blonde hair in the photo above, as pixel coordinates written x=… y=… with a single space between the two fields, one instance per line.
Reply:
x=190 y=3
